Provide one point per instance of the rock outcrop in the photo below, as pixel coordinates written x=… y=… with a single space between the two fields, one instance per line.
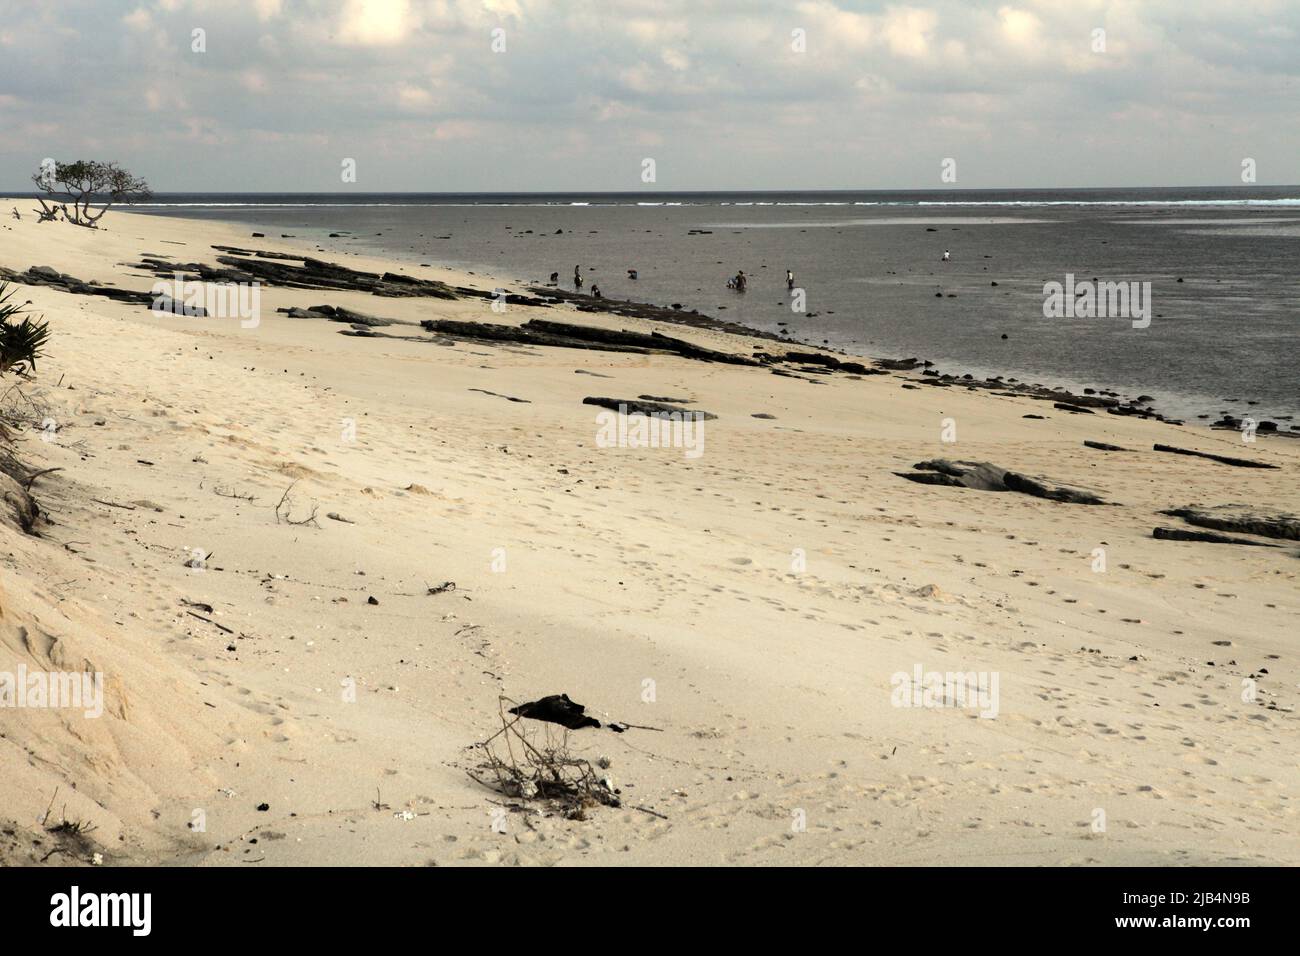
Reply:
x=1222 y=459
x=633 y=406
x=1183 y=534
x=983 y=476
x=1244 y=519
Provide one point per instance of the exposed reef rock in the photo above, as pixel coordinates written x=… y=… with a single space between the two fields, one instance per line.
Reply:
x=1245 y=519
x=1182 y=534
x=1222 y=459
x=634 y=406
x=983 y=476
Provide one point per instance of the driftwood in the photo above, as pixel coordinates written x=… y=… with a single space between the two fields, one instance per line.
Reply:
x=210 y=621
x=27 y=482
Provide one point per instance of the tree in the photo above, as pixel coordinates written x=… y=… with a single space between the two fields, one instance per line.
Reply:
x=72 y=188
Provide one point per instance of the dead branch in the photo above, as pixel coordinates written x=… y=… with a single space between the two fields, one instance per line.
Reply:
x=27 y=485
x=230 y=493
x=529 y=765
x=284 y=510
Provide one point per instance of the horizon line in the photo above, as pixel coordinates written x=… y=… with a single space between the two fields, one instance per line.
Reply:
x=663 y=191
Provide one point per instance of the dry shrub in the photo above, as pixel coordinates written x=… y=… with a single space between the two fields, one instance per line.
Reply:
x=535 y=766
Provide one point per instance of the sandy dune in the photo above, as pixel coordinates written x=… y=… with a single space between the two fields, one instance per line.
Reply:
x=655 y=588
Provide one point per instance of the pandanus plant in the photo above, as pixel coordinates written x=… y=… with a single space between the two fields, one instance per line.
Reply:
x=21 y=340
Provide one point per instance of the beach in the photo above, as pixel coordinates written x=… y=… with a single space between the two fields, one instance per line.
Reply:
x=253 y=526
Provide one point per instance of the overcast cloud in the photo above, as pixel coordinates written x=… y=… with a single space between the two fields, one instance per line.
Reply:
x=717 y=93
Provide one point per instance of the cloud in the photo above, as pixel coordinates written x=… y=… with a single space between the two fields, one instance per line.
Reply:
x=876 y=95
x=909 y=31
x=375 y=22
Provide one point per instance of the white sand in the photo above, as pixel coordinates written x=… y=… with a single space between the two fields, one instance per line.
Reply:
x=622 y=566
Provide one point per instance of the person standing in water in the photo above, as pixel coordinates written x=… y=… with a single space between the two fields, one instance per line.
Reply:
x=577 y=277
x=946 y=255
x=789 y=280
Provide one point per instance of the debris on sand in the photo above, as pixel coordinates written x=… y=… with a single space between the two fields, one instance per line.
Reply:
x=532 y=766
x=508 y=398
x=556 y=709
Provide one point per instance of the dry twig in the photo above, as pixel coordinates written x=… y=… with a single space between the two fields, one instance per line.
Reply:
x=516 y=766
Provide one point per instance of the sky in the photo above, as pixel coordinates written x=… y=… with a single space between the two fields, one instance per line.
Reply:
x=573 y=95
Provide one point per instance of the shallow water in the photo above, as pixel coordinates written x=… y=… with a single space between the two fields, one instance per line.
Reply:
x=1224 y=336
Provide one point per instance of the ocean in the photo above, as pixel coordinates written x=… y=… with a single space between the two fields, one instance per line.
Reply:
x=1216 y=266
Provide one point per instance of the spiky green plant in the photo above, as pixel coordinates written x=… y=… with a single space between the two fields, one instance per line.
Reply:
x=21 y=342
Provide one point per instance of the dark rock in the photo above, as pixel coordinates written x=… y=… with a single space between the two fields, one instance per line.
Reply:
x=1102 y=446
x=51 y=278
x=634 y=407
x=1182 y=534
x=1246 y=519
x=1223 y=459
x=165 y=303
x=898 y=365
x=272 y=269
x=337 y=314
x=983 y=476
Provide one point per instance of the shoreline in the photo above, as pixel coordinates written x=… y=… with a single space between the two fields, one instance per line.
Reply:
x=1202 y=408
x=308 y=565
